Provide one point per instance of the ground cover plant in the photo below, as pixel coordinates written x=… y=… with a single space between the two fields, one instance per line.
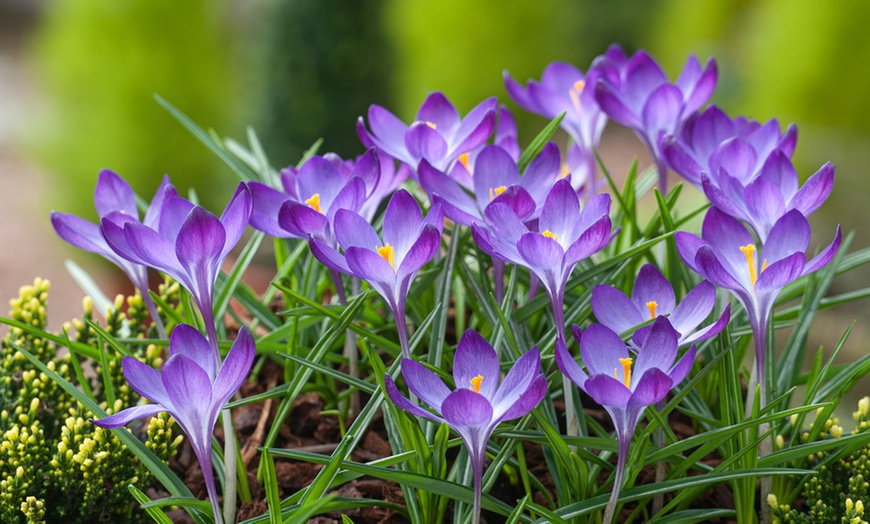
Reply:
x=460 y=328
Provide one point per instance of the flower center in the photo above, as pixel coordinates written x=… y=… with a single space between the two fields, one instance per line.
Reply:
x=314 y=202
x=565 y=171
x=749 y=252
x=575 y=92
x=388 y=253
x=431 y=124
x=475 y=383
x=463 y=159
x=549 y=234
x=626 y=371
x=496 y=191
x=652 y=305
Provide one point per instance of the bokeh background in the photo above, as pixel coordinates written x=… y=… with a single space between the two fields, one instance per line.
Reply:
x=77 y=81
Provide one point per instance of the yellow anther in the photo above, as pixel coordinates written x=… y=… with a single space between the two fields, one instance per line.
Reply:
x=652 y=305
x=388 y=253
x=574 y=93
x=496 y=191
x=314 y=202
x=463 y=159
x=749 y=251
x=431 y=124
x=475 y=383
x=549 y=234
x=565 y=171
x=626 y=371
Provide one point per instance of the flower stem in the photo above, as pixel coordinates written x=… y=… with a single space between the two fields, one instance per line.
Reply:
x=617 y=482
x=477 y=473
x=229 y=466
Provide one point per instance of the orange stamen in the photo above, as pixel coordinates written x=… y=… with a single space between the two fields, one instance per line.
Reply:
x=463 y=159
x=314 y=202
x=431 y=124
x=496 y=191
x=475 y=383
x=388 y=253
x=574 y=93
x=626 y=371
x=652 y=305
x=565 y=171
x=549 y=234
x=749 y=252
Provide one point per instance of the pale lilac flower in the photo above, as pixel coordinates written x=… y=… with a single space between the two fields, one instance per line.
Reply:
x=113 y=196
x=437 y=134
x=191 y=388
x=622 y=386
x=481 y=400
x=653 y=296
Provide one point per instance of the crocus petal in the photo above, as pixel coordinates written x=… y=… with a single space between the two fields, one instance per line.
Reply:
x=328 y=256
x=615 y=109
x=709 y=331
x=528 y=399
x=425 y=384
x=590 y=241
x=541 y=252
x=567 y=365
x=436 y=109
x=607 y=391
x=402 y=220
x=613 y=309
x=146 y=381
x=300 y=220
x=146 y=246
x=465 y=409
x=164 y=191
x=200 y=243
x=659 y=348
x=185 y=381
x=652 y=286
x=189 y=342
x=662 y=109
x=79 y=232
x=353 y=230
x=814 y=191
x=173 y=213
x=681 y=369
x=781 y=272
x=709 y=266
x=790 y=234
x=267 y=202
x=235 y=368
x=688 y=246
x=121 y=418
x=475 y=129
x=519 y=200
x=560 y=211
x=542 y=172
x=493 y=168
x=403 y=403
x=601 y=350
x=235 y=218
x=458 y=205
x=424 y=142
x=822 y=259
x=518 y=380
x=694 y=308
x=368 y=265
x=652 y=387
x=475 y=357
x=703 y=85
x=113 y=193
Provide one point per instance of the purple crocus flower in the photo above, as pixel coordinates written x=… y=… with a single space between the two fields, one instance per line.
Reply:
x=114 y=195
x=479 y=403
x=653 y=296
x=389 y=266
x=727 y=256
x=187 y=243
x=566 y=235
x=625 y=392
x=710 y=142
x=494 y=178
x=191 y=388
x=636 y=93
x=565 y=89
x=438 y=134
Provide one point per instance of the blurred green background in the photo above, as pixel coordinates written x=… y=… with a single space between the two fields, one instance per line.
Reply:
x=300 y=70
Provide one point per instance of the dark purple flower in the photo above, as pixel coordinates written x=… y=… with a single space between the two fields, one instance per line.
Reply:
x=727 y=255
x=494 y=178
x=710 y=141
x=187 y=243
x=480 y=402
x=389 y=266
x=566 y=235
x=191 y=388
x=113 y=196
x=438 y=134
x=565 y=89
x=622 y=386
x=653 y=296
x=636 y=93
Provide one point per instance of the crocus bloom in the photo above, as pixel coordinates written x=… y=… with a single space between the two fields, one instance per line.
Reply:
x=710 y=141
x=565 y=89
x=566 y=235
x=187 y=243
x=495 y=178
x=653 y=296
x=191 y=388
x=437 y=134
x=622 y=386
x=636 y=93
x=114 y=195
x=389 y=266
x=727 y=255
x=479 y=403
